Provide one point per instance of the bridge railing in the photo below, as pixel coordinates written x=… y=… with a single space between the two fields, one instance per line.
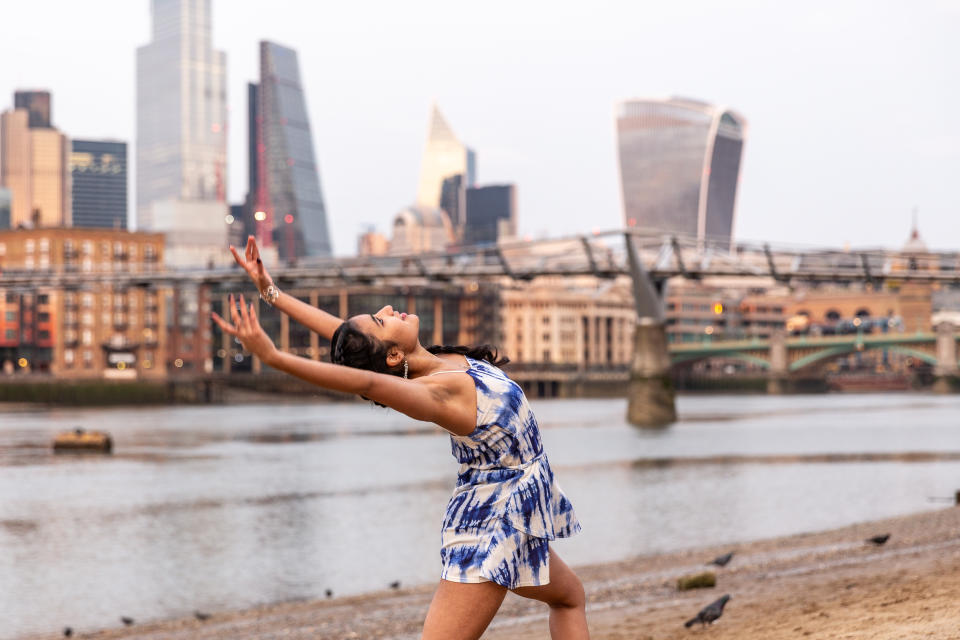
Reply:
x=601 y=254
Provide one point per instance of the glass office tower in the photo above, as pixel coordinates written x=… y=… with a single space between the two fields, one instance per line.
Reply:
x=98 y=171
x=181 y=112
x=284 y=172
x=679 y=165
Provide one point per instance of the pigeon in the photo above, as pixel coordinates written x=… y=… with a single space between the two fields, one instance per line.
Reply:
x=126 y=621
x=721 y=561
x=67 y=632
x=395 y=584
x=328 y=593
x=709 y=613
x=879 y=540
x=201 y=616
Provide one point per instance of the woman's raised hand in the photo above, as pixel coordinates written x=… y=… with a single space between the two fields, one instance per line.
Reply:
x=252 y=264
x=246 y=328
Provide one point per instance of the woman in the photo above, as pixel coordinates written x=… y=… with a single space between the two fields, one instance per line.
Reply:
x=506 y=506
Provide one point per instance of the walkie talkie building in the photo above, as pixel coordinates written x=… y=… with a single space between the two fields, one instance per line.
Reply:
x=679 y=167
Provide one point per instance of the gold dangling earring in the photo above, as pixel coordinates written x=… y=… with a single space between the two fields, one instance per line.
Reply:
x=406 y=367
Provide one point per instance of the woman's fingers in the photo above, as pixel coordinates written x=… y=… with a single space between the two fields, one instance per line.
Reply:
x=236 y=256
x=234 y=314
x=243 y=313
x=223 y=324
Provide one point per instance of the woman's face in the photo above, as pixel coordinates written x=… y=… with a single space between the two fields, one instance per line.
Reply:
x=388 y=325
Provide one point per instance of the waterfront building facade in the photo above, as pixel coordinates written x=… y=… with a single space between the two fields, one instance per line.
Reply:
x=34 y=164
x=444 y=156
x=491 y=214
x=93 y=330
x=98 y=171
x=581 y=323
x=286 y=190
x=181 y=133
x=679 y=162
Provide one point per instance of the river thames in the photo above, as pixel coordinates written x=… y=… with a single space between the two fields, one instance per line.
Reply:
x=225 y=507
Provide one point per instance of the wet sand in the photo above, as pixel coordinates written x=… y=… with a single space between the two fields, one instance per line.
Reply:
x=822 y=585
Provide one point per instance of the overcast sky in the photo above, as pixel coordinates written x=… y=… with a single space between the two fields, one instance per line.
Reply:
x=853 y=107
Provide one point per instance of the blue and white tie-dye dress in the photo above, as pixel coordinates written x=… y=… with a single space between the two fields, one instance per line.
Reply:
x=507 y=505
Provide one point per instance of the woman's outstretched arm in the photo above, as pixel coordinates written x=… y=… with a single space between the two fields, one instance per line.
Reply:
x=315 y=319
x=449 y=401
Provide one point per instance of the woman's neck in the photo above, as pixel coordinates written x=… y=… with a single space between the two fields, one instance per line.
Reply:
x=423 y=363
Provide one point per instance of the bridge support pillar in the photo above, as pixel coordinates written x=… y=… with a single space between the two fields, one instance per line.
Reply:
x=651 y=394
x=947 y=374
x=777 y=382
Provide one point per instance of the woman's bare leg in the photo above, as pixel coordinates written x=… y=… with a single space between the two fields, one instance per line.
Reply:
x=462 y=611
x=567 y=601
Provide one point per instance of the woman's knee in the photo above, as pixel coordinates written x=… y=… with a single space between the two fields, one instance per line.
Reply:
x=571 y=597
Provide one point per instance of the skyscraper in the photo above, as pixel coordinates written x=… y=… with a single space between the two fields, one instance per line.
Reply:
x=679 y=166
x=491 y=214
x=37 y=104
x=5 y=199
x=98 y=171
x=285 y=178
x=34 y=165
x=443 y=157
x=181 y=133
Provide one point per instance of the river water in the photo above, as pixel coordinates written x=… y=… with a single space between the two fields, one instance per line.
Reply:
x=224 y=507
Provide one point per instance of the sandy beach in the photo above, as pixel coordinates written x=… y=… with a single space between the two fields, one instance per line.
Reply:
x=829 y=584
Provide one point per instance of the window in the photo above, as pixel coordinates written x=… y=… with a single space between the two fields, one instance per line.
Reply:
x=43 y=316
x=11 y=316
x=11 y=334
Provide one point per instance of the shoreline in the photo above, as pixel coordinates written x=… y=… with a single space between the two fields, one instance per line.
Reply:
x=828 y=584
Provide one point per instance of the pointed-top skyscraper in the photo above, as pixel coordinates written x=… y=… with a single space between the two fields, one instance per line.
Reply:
x=284 y=176
x=443 y=157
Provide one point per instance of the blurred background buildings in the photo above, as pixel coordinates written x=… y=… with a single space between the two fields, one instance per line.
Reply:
x=64 y=209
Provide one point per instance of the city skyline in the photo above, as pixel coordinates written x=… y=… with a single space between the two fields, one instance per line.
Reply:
x=817 y=88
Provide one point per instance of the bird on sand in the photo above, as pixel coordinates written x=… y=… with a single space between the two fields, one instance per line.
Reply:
x=721 y=561
x=879 y=540
x=201 y=616
x=709 y=613
x=328 y=593
x=67 y=632
x=395 y=584
x=126 y=621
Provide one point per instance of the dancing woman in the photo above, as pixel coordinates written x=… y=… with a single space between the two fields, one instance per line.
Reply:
x=506 y=507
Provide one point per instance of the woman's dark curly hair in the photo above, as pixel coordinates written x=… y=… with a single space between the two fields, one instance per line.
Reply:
x=352 y=347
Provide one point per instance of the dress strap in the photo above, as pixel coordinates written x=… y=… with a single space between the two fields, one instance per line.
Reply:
x=448 y=371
